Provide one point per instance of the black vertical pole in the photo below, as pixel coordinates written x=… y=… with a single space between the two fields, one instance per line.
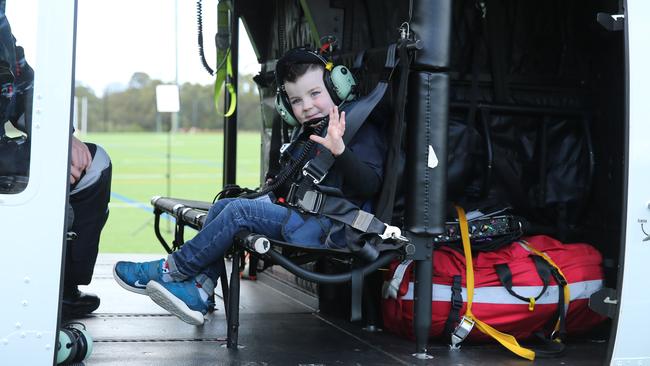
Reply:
x=230 y=123
x=168 y=175
x=427 y=178
x=426 y=158
x=230 y=175
x=233 y=302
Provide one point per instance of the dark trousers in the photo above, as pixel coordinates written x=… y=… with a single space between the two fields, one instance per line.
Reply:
x=90 y=208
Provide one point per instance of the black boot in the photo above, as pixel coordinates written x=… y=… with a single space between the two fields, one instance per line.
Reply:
x=77 y=304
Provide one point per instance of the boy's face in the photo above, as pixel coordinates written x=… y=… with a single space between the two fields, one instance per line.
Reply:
x=308 y=96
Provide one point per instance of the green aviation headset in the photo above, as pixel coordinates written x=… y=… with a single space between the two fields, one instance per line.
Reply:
x=339 y=81
x=74 y=344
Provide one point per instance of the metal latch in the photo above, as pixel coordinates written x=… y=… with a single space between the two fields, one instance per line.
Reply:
x=393 y=232
x=310 y=171
x=460 y=333
x=70 y=236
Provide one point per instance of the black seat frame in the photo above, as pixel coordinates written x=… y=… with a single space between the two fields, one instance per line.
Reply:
x=192 y=213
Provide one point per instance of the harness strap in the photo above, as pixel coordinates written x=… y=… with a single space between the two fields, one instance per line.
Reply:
x=456 y=304
x=386 y=202
x=342 y=210
x=358 y=61
x=563 y=308
x=356 y=286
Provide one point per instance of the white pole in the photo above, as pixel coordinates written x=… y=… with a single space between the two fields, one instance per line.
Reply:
x=84 y=115
x=174 y=126
x=75 y=120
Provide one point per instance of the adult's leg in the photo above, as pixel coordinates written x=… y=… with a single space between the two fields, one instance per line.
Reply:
x=89 y=200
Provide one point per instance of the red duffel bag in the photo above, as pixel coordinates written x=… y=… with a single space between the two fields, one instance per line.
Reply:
x=519 y=304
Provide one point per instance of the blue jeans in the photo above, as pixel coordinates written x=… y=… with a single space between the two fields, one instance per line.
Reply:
x=203 y=254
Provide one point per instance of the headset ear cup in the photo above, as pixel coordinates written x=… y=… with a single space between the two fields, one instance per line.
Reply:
x=66 y=347
x=84 y=344
x=331 y=88
x=343 y=83
x=75 y=344
x=285 y=113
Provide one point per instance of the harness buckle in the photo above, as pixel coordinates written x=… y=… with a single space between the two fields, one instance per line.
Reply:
x=456 y=296
x=284 y=148
x=310 y=171
x=393 y=232
x=311 y=202
x=460 y=333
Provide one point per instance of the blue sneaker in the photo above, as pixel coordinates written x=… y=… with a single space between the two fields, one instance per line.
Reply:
x=181 y=299
x=135 y=276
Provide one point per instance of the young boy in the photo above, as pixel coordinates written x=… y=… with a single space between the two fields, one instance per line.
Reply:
x=184 y=282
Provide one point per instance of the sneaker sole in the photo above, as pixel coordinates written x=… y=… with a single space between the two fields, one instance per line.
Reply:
x=174 y=305
x=126 y=286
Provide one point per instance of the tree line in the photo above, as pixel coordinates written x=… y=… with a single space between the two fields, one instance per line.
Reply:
x=133 y=108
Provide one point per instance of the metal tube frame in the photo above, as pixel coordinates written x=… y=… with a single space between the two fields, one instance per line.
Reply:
x=230 y=123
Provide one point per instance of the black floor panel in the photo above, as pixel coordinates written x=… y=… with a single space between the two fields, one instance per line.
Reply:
x=292 y=339
x=279 y=325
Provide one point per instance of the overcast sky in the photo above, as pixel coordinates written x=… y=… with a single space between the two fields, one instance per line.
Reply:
x=119 y=37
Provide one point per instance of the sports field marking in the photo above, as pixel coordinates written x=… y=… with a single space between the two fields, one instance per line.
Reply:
x=127 y=202
x=136 y=176
x=139 y=172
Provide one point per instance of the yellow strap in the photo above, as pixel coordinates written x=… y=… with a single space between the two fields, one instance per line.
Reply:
x=506 y=340
x=469 y=266
x=224 y=75
x=224 y=63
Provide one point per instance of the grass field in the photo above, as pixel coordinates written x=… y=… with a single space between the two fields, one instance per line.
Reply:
x=140 y=170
